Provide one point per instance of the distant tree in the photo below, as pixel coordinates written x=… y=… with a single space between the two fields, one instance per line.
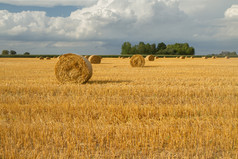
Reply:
x=5 y=52
x=153 y=49
x=181 y=49
x=126 y=48
x=161 y=46
x=12 y=52
x=134 y=50
x=228 y=53
x=148 y=49
x=141 y=48
x=26 y=53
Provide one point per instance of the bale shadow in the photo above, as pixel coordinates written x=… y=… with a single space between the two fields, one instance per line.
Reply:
x=107 y=81
x=151 y=66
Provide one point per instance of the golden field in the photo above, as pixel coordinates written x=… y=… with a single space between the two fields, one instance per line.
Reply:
x=171 y=108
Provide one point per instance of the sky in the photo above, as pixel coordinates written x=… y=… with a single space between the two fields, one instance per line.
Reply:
x=101 y=26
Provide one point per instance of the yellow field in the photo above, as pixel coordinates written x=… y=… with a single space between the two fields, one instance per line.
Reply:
x=171 y=108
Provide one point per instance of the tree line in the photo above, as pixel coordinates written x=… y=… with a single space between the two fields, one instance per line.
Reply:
x=159 y=49
x=12 y=52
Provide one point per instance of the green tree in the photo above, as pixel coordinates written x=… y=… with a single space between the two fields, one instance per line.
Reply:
x=161 y=46
x=153 y=48
x=148 y=49
x=5 y=52
x=12 y=52
x=126 y=48
x=134 y=50
x=26 y=53
x=141 y=48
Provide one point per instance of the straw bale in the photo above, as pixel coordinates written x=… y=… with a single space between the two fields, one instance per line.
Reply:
x=150 y=58
x=41 y=58
x=182 y=57
x=95 y=59
x=137 y=61
x=86 y=56
x=72 y=68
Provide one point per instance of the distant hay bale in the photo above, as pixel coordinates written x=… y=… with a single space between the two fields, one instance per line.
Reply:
x=157 y=57
x=213 y=57
x=72 y=68
x=150 y=58
x=95 y=59
x=227 y=57
x=191 y=57
x=204 y=57
x=86 y=56
x=137 y=61
x=182 y=57
x=47 y=58
x=41 y=58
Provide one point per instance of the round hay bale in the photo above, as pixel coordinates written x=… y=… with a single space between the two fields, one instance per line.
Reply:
x=191 y=57
x=213 y=57
x=95 y=59
x=86 y=56
x=204 y=57
x=182 y=57
x=150 y=58
x=41 y=58
x=226 y=57
x=137 y=61
x=72 y=68
x=47 y=58
x=157 y=57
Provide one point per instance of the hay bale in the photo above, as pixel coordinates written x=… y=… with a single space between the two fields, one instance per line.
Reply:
x=41 y=58
x=226 y=57
x=72 y=68
x=137 y=61
x=191 y=57
x=213 y=57
x=95 y=59
x=157 y=57
x=182 y=57
x=204 y=57
x=47 y=58
x=150 y=58
x=86 y=56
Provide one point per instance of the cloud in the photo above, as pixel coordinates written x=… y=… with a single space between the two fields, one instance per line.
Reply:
x=103 y=22
x=108 y=19
x=232 y=12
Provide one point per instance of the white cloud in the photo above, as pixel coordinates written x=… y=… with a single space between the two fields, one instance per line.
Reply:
x=105 y=21
x=232 y=12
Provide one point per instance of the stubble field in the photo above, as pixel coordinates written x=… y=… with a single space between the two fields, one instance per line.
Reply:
x=171 y=108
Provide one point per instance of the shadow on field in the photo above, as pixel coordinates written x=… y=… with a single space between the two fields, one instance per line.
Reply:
x=107 y=81
x=150 y=66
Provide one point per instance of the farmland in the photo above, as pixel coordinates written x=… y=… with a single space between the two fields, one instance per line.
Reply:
x=171 y=108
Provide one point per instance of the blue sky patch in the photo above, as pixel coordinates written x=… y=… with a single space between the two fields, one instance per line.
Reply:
x=56 y=11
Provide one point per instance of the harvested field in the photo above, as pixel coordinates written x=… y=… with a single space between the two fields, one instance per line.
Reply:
x=169 y=108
